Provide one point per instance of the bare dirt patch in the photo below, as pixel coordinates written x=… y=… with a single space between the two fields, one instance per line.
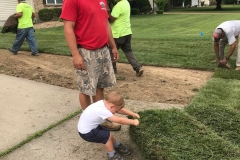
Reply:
x=164 y=85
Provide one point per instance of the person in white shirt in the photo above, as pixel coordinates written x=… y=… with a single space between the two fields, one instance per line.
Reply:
x=227 y=32
x=90 y=129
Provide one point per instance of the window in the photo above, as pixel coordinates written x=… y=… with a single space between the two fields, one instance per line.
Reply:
x=54 y=1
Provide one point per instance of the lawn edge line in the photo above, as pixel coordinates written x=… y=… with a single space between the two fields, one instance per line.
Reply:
x=39 y=133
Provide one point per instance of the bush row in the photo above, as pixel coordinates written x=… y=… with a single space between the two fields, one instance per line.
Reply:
x=48 y=14
x=137 y=7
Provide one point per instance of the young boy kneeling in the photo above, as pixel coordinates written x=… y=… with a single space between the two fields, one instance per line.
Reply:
x=89 y=127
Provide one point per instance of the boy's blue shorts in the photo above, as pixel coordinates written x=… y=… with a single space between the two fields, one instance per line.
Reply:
x=97 y=135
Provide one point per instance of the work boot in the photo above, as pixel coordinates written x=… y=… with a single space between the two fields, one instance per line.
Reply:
x=139 y=72
x=15 y=53
x=111 y=126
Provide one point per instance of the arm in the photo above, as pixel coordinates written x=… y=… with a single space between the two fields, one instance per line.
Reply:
x=72 y=44
x=112 y=43
x=111 y=19
x=125 y=111
x=33 y=15
x=18 y=15
x=216 y=49
x=230 y=52
x=123 y=120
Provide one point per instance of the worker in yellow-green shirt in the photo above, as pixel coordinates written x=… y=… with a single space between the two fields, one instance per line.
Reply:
x=25 y=30
x=122 y=33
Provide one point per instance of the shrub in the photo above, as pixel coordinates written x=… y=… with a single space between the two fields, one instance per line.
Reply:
x=143 y=5
x=60 y=19
x=229 y=1
x=46 y=14
x=159 y=12
x=162 y=5
x=57 y=12
x=134 y=11
x=145 y=9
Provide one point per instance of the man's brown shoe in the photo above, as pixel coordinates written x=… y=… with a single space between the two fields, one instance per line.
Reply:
x=111 y=126
x=139 y=72
x=222 y=65
x=228 y=66
x=237 y=68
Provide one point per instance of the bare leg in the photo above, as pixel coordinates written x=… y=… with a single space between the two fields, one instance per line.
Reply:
x=110 y=142
x=99 y=95
x=84 y=100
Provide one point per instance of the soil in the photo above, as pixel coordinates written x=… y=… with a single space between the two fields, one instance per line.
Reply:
x=163 y=85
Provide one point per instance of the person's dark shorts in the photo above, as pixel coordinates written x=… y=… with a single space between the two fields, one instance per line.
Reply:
x=97 y=135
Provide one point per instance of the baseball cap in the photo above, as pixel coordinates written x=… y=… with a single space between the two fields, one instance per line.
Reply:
x=217 y=33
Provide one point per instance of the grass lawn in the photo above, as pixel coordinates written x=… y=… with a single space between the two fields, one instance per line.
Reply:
x=160 y=40
x=207 y=128
x=230 y=8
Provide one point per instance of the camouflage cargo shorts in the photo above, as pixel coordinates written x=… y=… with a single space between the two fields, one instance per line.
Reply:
x=98 y=71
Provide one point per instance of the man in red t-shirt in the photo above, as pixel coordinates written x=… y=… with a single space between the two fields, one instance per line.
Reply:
x=88 y=35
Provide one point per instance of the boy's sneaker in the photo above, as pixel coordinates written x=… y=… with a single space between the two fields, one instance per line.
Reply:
x=139 y=72
x=111 y=126
x=122 y=149
x=116 y=157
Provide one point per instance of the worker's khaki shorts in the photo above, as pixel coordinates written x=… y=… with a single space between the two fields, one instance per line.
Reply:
x=98 y=71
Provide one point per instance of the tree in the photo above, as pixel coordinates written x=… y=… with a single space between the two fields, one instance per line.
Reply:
x=218 y=5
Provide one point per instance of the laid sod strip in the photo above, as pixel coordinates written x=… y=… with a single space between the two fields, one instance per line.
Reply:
x=217 y=107
x=227 y=73
x=174 y=134
x=39 y=133
x=223 y=120
x=219 y=92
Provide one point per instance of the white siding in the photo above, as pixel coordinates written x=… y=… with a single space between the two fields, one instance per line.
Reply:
x=8 y=7
x=195 y=2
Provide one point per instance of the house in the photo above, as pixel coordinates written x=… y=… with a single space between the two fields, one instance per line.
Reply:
x=8 y=7
x=200 y=2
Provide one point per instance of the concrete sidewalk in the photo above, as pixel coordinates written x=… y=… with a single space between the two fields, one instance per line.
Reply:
x=28 y=106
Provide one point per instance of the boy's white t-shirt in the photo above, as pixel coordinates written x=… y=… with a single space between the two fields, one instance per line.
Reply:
x=93 y=115
x=231 y=30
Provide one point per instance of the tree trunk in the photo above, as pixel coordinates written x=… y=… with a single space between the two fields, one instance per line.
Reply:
x=218 y=5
